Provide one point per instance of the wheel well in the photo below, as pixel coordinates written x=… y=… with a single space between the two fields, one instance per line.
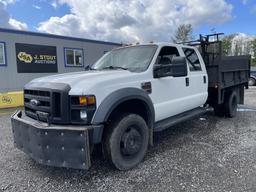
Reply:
x=239 y=90
x=135 y=106
x=253 y=77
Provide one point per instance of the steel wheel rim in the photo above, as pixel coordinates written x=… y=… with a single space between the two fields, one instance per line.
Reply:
x=131 y=142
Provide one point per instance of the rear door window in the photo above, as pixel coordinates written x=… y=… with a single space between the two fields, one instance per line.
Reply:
x=193 y=59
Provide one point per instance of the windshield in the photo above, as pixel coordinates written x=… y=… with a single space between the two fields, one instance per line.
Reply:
x=135 y=58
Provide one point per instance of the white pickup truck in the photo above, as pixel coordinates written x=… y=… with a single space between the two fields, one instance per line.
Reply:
x=126 y=96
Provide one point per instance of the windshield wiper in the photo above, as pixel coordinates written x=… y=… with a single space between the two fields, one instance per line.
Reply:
x=114 y=67
x=89 y=68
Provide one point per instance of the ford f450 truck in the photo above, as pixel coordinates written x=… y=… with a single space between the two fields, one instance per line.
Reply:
x=126 y=96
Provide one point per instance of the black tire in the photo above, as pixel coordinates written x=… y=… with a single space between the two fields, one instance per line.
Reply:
x=126 y=141
x=252 y=81
x=231 y=105
x=219 y=110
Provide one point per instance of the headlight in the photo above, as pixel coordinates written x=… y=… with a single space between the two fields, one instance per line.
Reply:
x=83 y=114
x=82 y=108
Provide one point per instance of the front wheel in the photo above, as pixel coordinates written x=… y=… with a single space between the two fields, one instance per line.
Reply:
x=126 y=141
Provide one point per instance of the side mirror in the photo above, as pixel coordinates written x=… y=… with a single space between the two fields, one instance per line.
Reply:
x=177 y=68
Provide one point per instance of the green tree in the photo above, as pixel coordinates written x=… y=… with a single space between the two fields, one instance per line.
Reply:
x=227 y=44
x=247 y=48
x=183 y=33
x=238 y=48
x=254 y=52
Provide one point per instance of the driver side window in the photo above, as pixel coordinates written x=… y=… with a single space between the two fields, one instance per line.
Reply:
x=166 y=54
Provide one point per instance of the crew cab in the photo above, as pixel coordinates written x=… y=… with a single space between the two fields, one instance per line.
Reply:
x=126 y=96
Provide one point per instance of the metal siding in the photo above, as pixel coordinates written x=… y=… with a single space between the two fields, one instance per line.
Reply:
x=56 y=36
x=13 y=81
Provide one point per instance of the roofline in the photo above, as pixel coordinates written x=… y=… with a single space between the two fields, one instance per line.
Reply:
x=56 y=36
x=156 y=43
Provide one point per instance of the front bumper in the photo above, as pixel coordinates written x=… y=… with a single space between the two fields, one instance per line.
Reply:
x=59 y=146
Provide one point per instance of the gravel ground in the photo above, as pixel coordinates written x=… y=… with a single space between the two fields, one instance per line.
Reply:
x=250 y=100
x=205 y=154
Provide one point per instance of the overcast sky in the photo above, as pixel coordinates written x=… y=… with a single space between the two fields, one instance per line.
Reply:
x=128 y=20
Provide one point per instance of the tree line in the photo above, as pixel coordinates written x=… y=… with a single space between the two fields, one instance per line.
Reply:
x=232 y=45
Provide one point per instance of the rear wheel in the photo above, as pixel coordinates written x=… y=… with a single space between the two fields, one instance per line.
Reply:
x=231 y=105
x=126 y=141
x=252 y=81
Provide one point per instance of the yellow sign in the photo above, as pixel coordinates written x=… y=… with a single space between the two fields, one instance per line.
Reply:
x=6 y=99
x=11 y=99
x=23 y=56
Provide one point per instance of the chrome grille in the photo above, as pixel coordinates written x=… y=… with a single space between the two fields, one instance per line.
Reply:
x=48 y=103
x=37 y=101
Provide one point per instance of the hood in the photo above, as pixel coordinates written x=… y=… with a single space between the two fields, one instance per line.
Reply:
x=87 y=79
x=77 y=77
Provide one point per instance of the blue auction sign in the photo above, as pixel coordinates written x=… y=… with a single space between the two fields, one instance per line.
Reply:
x=36 y=58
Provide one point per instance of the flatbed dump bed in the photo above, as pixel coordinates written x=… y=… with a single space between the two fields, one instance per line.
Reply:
x=225 y=73
x=229 y=71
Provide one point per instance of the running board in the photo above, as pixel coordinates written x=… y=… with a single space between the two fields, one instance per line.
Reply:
x=166 y=123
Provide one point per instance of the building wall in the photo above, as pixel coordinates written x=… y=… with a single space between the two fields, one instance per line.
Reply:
x=10 y=80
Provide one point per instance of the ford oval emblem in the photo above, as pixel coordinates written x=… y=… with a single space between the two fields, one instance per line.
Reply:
x=34 y=102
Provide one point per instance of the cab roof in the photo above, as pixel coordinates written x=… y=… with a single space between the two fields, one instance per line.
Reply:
x=159 y=44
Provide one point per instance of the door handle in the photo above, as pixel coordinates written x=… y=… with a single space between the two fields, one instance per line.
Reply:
x=187 y=81
x=204 y=79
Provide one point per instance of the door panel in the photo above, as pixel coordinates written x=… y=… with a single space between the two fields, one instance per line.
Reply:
x=174 y=95
x=198 y=84
x=170 y=94
x=197 y=88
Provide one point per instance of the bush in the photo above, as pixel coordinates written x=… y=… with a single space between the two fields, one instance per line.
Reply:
x=253 y=63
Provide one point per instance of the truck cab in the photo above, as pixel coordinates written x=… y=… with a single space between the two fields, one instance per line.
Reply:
x=118 y=103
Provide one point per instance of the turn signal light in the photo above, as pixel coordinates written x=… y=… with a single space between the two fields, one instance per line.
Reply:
x=87 y=100
x=91 y=100
x=82 y=100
